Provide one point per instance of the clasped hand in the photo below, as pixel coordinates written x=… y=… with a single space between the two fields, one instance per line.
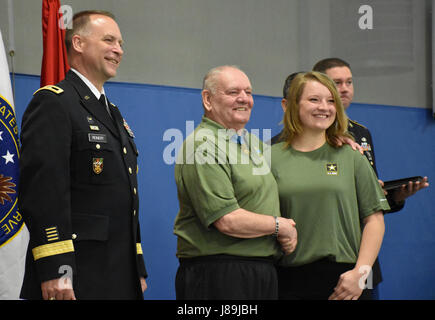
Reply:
x=288 y=235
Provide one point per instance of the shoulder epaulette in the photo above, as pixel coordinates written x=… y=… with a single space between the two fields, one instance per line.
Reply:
x=356 y=123
x=51 y=88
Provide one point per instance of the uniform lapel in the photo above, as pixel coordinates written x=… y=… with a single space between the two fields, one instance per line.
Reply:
x=90 y=103
x=125 y=133
x=117 y=117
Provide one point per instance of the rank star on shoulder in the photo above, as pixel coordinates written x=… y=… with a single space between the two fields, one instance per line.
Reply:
x=8 y=157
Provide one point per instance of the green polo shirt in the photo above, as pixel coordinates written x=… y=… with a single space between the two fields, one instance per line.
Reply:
x=327 y=192
x=216 y=175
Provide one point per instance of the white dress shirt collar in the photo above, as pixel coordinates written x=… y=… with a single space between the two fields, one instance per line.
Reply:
x=94 y=90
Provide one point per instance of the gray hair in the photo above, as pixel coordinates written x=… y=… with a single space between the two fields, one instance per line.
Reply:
x=210 y=80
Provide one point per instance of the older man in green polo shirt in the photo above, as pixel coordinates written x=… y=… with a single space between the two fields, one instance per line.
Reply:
x=229 y=226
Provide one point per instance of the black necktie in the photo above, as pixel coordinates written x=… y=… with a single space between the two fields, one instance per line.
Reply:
x=103 y=102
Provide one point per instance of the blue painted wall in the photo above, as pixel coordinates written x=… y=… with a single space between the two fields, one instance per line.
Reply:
x=404 y=145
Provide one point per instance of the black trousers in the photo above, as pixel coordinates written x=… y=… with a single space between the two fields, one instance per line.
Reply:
x=224 y=277
x=313 y=281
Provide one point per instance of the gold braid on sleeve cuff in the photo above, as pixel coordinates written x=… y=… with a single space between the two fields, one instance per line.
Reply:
x=52 y=249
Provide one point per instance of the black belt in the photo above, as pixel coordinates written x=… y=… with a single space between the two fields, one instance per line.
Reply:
x=224 y=257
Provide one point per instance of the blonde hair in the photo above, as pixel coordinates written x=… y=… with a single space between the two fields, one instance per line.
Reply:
x=291 y=120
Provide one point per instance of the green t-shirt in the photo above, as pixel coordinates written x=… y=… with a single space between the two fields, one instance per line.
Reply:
x=327 y=192
x=216 y=175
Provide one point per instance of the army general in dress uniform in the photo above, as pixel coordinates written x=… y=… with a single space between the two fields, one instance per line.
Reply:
x=78 y=187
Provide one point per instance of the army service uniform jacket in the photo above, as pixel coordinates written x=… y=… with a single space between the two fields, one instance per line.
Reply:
x=78 y=195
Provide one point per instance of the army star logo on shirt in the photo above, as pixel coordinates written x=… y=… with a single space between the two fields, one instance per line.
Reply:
x=332 y=169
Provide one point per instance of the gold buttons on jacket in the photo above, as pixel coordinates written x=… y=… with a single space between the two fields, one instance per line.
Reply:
x=130 y=170
x=124 y=150
x=134 y=190
x=134 y=212
x=74 y=236
x=97 y=146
